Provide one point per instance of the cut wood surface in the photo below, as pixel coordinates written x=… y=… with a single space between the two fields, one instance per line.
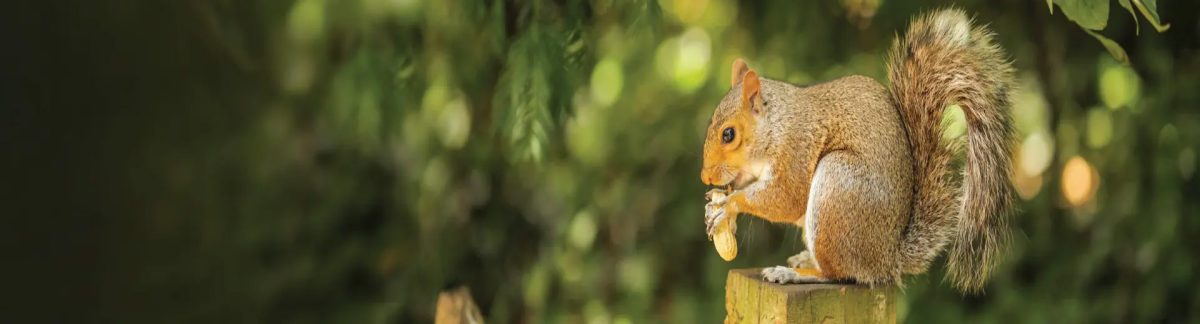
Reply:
x=455 y=306
x=749 y=299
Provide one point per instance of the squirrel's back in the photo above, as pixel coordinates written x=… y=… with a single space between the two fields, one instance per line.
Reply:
x=857 y=209
x=942 y=60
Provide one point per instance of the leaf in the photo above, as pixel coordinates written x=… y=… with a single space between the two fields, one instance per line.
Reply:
x=1090 y=14
x=1050 y=3
x=524 y=104
x=1129 y=7
x=1149 y=9
x=1113 y=48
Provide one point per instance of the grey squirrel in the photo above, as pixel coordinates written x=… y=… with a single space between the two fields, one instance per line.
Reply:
x=863 y=168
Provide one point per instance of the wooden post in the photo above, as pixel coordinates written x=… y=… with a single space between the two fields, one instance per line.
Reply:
x=455 y=306
x=749 y=299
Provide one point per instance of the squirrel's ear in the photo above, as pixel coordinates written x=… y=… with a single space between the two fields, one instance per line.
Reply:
x=750 y=89
x=735 y=74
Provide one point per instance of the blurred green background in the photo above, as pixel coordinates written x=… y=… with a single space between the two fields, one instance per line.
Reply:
x=345 y=160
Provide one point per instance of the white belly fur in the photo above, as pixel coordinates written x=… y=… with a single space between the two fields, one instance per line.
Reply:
x=810 y=215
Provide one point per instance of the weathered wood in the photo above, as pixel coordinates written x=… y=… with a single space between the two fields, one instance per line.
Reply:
x=749 y=299
x=456 y=306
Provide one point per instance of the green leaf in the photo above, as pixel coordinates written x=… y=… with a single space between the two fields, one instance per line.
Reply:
x=1050 y=3
x=1090 y=14
x=1149 y=9
x=1113 y=48
x=1129 y=7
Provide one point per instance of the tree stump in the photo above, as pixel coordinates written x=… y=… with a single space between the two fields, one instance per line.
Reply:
x=749 y=299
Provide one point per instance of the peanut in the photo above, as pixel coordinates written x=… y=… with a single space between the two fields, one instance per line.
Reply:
x=723 y=238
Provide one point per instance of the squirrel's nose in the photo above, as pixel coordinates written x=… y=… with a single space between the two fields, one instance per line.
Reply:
x=705 y=177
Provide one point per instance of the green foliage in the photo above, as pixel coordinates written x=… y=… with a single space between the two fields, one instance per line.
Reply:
x=1112 y=47
x=1092 y=16
x=1149 y=8
x=1089 y=14
x=344 y=161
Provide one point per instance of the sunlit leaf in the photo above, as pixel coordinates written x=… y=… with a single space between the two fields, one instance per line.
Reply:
x=1113 y=48
x=1091 y=14
x=1149 y=8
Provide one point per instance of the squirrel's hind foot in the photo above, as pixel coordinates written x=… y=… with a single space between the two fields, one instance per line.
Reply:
x=802 y=260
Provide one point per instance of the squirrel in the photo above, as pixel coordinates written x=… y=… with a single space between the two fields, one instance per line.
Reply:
x=864 y=169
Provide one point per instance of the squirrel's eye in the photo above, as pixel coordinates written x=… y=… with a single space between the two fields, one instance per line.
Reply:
x=727 y=135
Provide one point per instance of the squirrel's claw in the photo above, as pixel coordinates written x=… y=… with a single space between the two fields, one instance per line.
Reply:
x=714 y=214
x=718 y=194
x=714 y=210
x=711 y=220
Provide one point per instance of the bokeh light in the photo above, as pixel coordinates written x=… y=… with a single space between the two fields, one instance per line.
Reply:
x=1079 y=181
x=346 y=161
x=1032 y=159
x=1119 y=85
x=954 y=123
x=607 y=81
x=692 y=64
x=1099 y=127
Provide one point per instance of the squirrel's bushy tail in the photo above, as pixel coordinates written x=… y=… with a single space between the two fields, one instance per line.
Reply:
x=944 y=60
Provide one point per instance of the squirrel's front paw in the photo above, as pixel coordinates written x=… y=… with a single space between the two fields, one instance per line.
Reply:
x=715 y=211
x=716 y=195
x=713 y=215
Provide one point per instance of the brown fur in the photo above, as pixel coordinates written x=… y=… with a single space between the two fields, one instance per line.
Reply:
x=944 y=60
x=871 y=161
